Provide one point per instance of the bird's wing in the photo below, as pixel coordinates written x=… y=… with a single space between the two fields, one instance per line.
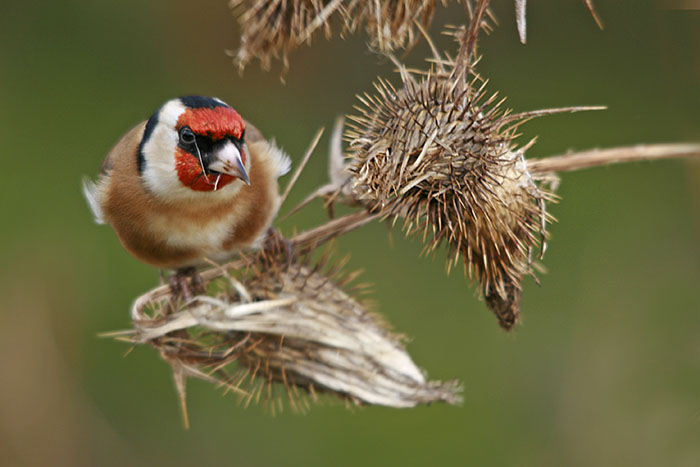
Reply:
x=93 y=190
x=93 y=195
x=252 y=134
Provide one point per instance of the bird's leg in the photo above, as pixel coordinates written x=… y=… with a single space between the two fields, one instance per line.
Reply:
x=180 y=286
x=276 y=243
x=197 y=282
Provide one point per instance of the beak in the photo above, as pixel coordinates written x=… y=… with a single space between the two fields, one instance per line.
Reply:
x=227 y=160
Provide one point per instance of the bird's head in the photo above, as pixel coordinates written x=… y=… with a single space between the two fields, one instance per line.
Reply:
x=193 y=146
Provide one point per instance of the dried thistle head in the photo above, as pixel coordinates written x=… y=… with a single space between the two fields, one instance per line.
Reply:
x=272 y=325
x=390 y=24
x=438 y=153
x=273 y=28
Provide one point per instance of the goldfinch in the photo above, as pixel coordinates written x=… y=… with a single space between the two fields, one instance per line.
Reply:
x=194 y=181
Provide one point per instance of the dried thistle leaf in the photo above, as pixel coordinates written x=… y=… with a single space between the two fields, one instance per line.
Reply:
x=272 y=321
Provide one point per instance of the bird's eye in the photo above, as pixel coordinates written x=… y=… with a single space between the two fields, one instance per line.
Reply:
x=186 y=135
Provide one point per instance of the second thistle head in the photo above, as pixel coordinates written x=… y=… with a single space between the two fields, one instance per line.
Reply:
x=438 y=153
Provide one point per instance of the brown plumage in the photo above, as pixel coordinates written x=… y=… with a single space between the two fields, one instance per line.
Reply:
x=168 y=220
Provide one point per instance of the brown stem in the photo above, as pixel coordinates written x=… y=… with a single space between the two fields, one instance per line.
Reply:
x=598 y=157
x=312 y=237
x=333 y=228
x=299 y=169
x=464 y=60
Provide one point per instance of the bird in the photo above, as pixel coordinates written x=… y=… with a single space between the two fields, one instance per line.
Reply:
x=194 y=182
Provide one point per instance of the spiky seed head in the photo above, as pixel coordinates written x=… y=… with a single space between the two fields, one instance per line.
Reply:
x=390 y=24
x=439 y=154
x=274 y=28
x=279 y=324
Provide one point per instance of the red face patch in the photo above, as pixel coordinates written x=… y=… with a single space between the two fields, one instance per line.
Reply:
x=217 y=123
x=189 y=171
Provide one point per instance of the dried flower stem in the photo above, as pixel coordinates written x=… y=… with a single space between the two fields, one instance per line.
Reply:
x=599 y=157
x=301 y=166
x=333 y=229
x=464 y=61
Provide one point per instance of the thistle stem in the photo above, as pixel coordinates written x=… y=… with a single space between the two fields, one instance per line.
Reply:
x=333 y=228
x=600 y=157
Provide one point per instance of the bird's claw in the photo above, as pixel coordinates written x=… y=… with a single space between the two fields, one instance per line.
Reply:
x=181 y=287
x=279 y=245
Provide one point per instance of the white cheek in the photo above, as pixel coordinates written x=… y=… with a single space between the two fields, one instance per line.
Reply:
x=160 y=174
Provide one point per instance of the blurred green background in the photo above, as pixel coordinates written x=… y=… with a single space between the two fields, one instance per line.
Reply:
x=604 y=370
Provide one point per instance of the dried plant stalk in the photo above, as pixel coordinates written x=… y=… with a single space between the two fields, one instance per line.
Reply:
x=598 y=157
x=267 y=320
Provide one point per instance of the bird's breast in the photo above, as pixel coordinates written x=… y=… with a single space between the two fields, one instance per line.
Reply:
x=216 y=230
x=205 y=233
